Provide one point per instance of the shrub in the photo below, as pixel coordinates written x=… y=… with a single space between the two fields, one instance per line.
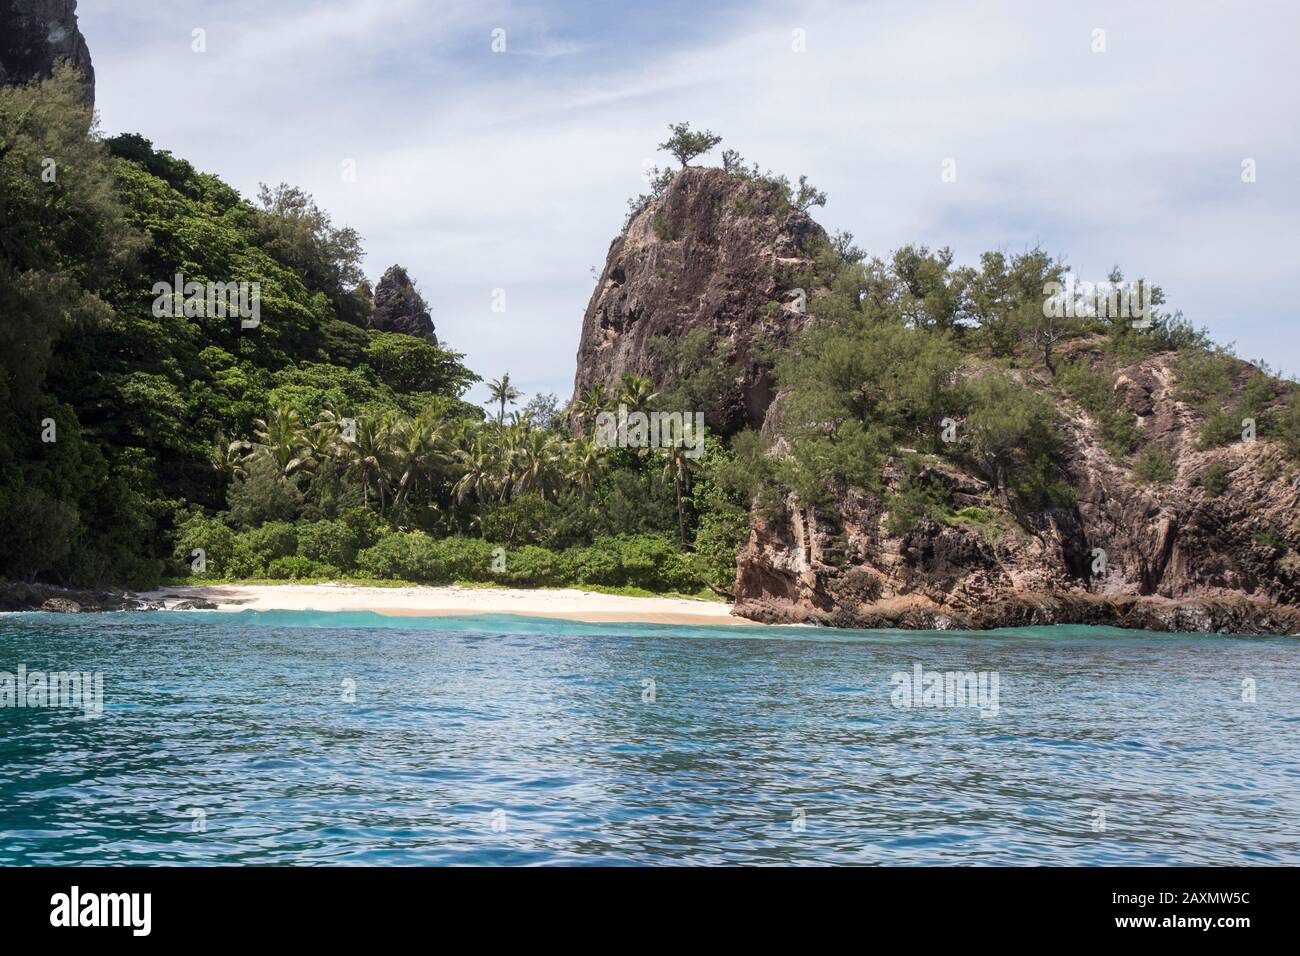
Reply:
x=1094 y=390
x=533 y=566
x=264 y=495
x=367 y=526
x=1219 y=429
x=465 y=559
x=1154 y=466
x=1214 y=480
x=720 y=537
x=407 y=556
x=1204 y=379
x=292 y=567
x=244 y=562
x=275 y=539
x=1287 y=427
x=916 y=498
x=652 y=562
x=329 y=542
x=522 y=520
x=591 y=565
x=1012 y=438
x=209 y=534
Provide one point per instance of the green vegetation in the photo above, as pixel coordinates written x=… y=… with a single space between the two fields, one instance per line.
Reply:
x=1094 y=390
x=1228 y=393
x=138 y=442
x=1214 y=480
x=685 y=144
x=1155 y=466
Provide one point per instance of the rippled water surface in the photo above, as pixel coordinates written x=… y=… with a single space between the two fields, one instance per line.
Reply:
x=228 y=739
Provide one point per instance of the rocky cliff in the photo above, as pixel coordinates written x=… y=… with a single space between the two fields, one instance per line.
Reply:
x=716 y=252
x=1181 y=555
x=37 y=34
x=399 y=307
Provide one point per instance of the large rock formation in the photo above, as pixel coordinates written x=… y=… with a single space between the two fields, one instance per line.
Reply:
x=716 y=251
x=1171 y=556
x=399 y=307
x=37 y=34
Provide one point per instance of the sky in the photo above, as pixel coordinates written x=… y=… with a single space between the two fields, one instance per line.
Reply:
x=1108 y=133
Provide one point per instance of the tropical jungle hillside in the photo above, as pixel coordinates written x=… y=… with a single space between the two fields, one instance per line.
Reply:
x=329 y=440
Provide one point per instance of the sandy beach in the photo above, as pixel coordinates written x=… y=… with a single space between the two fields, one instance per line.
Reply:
x=565 y=604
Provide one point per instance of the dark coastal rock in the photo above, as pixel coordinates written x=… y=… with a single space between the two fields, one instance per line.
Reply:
x=193 y=604
x=714 y=252
x=20 y=596
x=37 y=34
x=399 y=307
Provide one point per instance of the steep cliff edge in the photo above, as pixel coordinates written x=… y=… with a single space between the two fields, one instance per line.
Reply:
x=37 y=34
x=714 y=252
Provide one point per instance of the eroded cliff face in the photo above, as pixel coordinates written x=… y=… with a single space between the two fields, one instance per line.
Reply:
x=1169 y=556
x=714 y=252
x=37 y=34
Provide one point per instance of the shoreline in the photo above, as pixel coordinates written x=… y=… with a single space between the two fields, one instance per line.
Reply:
x=567 y=604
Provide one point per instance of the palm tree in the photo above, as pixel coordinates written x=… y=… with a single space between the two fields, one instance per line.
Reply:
x=228 y=457
x=537 y=455
x=637 y=393
x=323 y=440
x=585 y=464
x=280 y=435
x=419 y=445
x=508 y=441
x=593 y=403
x=478 y=468
x=677 y=466
x=501 y=391
x=369 y=456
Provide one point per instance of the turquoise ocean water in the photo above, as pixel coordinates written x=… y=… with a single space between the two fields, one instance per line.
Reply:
x=351 y=738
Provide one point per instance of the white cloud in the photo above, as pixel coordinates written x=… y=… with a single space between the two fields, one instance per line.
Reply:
x=479 y=170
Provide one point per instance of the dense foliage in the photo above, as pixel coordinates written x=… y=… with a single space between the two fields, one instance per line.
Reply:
x=329 y=438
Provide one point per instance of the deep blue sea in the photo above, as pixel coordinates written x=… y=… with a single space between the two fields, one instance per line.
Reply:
x=351 y=738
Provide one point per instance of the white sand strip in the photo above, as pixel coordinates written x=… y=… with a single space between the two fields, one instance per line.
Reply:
x=567 y=604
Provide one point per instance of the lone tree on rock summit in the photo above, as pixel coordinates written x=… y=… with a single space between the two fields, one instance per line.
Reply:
x=686 y=144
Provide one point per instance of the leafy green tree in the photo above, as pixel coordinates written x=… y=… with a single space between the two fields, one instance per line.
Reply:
x=407 y=364
x=1010 y=430
x=543 y=411
x=686 y=144
x=296 y=231
x=265 y=494
x=63 y=231
x=807 y=196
